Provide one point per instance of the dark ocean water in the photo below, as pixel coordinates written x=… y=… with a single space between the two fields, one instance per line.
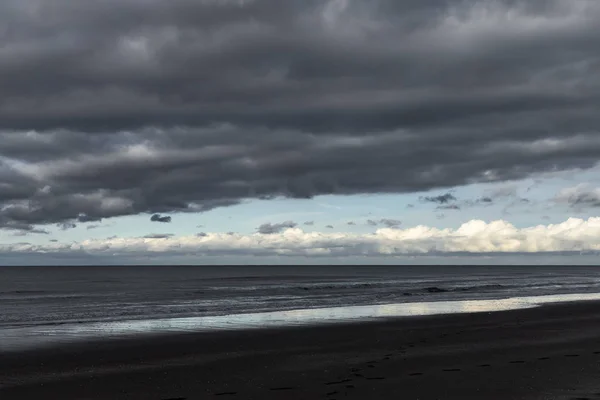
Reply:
x=46 y=304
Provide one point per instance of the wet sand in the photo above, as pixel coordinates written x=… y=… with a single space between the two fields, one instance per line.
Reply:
x=549 y=352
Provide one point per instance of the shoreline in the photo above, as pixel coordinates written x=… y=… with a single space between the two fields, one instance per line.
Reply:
x=548 y=351
x=40 y=337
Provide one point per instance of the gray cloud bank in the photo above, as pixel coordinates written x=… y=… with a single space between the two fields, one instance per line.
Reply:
x=121 y=107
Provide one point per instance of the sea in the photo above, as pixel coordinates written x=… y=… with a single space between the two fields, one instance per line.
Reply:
x=51 y=306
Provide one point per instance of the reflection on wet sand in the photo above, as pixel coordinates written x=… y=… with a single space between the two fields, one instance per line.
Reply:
x=28 y=337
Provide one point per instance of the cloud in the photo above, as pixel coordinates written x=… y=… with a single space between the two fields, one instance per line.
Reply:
x=580 y=196
x=32 y=230
x=85 y=218
x=390 y=223
x=309 y=223
x=268 y=228
x=472 y=237
x=158 y=236
x=159 y=218
x=503 y=191
x=448 y=207
x=329 y=226
x=351 y=223
x=441 y=199
x=101 y=113
x=66 y=225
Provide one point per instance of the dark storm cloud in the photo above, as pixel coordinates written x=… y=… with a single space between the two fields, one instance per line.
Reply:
x=124 y=107
x=268 y=228
x=85 y=218
x=22 y=227
x=441 y=199
x=160 y=218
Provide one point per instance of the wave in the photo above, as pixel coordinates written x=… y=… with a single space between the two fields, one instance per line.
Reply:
x=357 y=285
x=437 y=289
x=25 y=292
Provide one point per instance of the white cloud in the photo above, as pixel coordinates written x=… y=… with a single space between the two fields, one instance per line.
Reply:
x=474 y=236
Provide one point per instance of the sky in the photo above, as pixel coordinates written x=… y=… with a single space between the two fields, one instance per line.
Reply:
x=299 y=131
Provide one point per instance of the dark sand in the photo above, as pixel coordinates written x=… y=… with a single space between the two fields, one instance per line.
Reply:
x=551 y=352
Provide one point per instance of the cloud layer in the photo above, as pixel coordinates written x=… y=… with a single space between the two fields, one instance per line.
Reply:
x=124 y=107
x=476 y=236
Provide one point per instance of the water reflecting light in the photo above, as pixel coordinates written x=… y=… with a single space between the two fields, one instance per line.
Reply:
x=18 y=338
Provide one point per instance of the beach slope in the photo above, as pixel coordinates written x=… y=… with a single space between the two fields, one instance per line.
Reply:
x=548 y=352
